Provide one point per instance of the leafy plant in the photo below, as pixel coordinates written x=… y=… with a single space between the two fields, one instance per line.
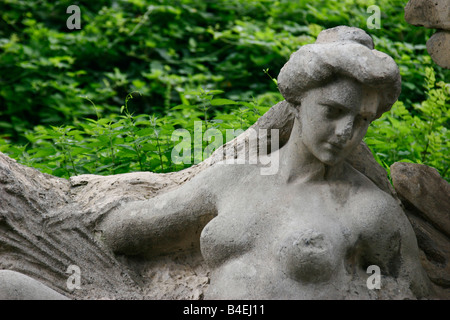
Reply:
x=180 y=55
x=126 y=142
x=165 y=48
x=418 y=136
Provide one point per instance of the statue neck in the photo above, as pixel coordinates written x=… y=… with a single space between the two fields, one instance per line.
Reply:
x=300 y=165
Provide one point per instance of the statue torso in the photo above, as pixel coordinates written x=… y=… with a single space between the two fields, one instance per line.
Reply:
x=271 y=240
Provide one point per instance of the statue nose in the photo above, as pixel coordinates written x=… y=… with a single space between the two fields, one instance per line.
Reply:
x=344 y=129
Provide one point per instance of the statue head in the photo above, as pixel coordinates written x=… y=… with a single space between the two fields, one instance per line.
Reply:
x=340 y=52
x=338 y=86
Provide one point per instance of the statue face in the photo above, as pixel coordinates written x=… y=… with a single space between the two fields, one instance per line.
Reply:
x=334 y=118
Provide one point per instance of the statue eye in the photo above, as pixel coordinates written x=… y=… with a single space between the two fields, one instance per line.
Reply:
x=333 y=111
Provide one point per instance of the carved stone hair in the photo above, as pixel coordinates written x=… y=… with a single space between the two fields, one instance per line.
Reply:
x=340 y=51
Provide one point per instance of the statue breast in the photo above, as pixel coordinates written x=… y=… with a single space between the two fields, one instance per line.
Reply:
x=225 y=237
x=306 y=255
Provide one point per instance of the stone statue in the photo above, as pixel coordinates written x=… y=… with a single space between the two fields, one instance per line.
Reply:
x=310 y=230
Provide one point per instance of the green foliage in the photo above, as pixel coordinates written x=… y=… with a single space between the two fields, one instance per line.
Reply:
x=421 y=136
x=166 y=47
x=126 y=142
x=180 y=55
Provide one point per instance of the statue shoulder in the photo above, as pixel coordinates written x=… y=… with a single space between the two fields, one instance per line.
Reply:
x=220 y=177
x=377 y=202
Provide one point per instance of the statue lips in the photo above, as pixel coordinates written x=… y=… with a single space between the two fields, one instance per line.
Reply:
x=334 y=146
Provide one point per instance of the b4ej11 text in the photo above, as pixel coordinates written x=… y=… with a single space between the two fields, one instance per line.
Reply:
x=231 y=309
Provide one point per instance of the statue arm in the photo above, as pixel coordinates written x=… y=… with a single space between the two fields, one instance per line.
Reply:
x=166 y=223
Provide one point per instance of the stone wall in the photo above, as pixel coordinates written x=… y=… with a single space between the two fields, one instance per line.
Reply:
x=426 y=200
x=433 y=14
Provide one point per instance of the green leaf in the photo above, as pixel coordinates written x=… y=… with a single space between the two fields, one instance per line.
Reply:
x=74 y=132
x=221 y=102
x=145 y=132
x=181 y=107
x=40 y=153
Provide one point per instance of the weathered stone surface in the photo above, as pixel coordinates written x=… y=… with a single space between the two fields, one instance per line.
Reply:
x=363 y=161
x=438 y=46
x=434 y=14
x=426 y=197
x=179 y=276
x=345 y=34
x=423 y=188
x=435 y=248
x=43 y=231
x=16 y=286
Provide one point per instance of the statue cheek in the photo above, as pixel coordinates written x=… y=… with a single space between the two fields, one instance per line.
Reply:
x=316 y=127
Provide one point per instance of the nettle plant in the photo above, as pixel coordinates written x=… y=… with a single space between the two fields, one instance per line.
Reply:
x=125 y=142
x=418 y=136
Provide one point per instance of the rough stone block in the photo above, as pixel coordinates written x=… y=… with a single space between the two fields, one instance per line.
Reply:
x=434 y=14
x=438 y=47
x=422 y=187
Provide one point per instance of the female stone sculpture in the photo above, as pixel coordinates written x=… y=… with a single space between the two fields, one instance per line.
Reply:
x=312 y=229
